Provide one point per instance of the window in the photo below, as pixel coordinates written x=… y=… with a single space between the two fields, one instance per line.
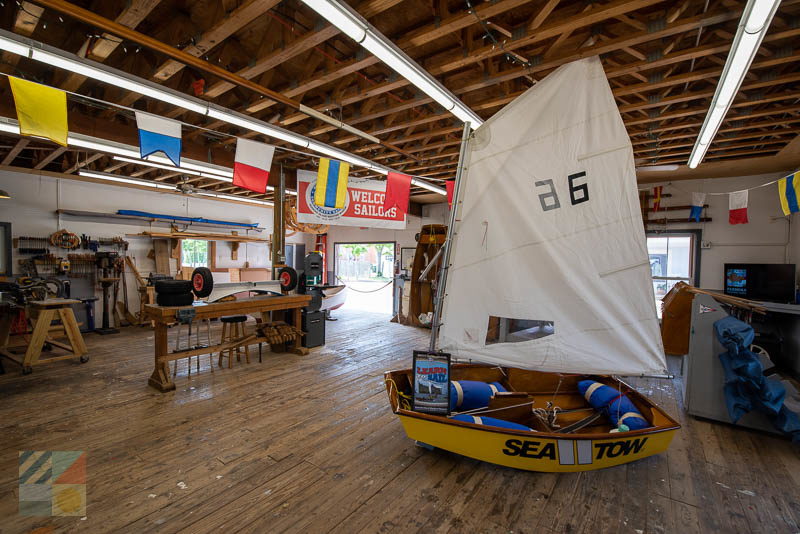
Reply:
x=672 y=260
x=194 y=253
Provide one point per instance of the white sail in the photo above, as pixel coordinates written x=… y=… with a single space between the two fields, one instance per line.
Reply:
x=549 y=239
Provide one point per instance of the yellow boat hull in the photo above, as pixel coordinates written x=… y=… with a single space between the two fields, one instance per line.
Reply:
x=543 y=448
x=534 y=453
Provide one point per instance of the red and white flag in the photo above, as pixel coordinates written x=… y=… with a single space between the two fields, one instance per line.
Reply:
x=737 y=203
x=251 y=164
x=398 y=190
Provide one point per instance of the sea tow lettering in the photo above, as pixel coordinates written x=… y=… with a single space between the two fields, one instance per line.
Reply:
x=619 y=448
x=370 y=204
x=535 y=449
x=530 y=449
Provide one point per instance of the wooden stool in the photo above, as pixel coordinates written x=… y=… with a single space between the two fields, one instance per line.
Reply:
x=43 y=312
x=233 y=329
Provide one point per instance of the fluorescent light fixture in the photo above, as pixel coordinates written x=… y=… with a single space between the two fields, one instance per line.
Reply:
x=9 y=126
x=124 y=82
x=121 y=179
x=362 y=32
x=101 y=145
x=240 y=199
x=156 y=165
x=657 y=168
x=265 y=128
x=429 y=186
x=409 y=70
x=9 y=45
x=753 y=25
x=339 y=17
x=22 y=46
x=182 y=169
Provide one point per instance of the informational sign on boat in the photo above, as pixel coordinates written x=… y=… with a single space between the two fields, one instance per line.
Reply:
x=431 y=382
x=363 y=206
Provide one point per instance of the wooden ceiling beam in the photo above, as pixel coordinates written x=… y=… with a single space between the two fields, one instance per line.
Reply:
x=695 y=125
x=14 y=152
x=25 y=23
x=44 y=162
x=705 y=74
x=738 y=154
x=300 y=45
x=671 y=151
x=224 y=28
x=99 y=49
x=689 y=140
x=83 y=163
x=679 y=26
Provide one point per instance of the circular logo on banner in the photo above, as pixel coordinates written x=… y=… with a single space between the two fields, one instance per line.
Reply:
x=324 y=212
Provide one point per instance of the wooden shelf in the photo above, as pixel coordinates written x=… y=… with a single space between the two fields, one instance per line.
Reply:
x=117 y=216
x=200 y=235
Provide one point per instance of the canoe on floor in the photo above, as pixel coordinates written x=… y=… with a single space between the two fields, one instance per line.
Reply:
x=546 y=447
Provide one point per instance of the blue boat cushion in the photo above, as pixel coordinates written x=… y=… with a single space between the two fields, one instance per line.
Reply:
x=618 y=407
x=490 y=421
x=469 y=394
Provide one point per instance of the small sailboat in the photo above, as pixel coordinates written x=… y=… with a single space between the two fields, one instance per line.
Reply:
x=545 y=281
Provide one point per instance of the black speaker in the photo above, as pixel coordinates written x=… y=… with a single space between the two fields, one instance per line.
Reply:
x=314 y=328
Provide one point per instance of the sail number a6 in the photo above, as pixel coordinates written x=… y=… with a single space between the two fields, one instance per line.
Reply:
x=578 y=191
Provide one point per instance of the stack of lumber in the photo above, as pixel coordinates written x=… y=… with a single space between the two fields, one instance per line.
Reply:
x=279 y=332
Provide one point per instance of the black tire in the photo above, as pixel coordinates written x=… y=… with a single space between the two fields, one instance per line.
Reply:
x=202 y=282
x=288 y=278
x=169 y=299
x=173 y=287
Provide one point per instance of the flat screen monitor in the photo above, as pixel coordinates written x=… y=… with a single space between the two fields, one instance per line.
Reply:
x=774 y=282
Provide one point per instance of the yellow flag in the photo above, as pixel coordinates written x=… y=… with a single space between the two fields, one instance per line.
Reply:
x=41 y=110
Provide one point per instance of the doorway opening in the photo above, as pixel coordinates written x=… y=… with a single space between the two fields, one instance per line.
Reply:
x=674 y=257
x=367 y=269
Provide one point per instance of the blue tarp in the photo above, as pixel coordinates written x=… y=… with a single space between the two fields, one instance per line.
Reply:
x=746 y=387
x=184 y=219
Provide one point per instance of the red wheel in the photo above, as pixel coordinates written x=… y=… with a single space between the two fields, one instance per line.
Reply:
x=202 y=282
x=288 y=278
x=197 y=282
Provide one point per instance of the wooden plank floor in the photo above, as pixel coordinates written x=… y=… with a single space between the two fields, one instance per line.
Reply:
x=308 y=444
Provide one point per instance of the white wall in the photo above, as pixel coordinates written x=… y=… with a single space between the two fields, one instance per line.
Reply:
x=34 y=199
x=765 y=239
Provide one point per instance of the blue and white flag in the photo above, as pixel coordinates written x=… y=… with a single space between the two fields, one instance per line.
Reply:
x=698 y=201
x=157 y=134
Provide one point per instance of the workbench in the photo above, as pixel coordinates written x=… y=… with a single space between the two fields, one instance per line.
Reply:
x=42 y=313
x=163 y=316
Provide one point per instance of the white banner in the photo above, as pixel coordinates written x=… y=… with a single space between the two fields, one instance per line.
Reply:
x=363 y=207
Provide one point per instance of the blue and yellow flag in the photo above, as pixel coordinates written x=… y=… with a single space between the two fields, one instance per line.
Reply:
x=41 y=110
x=788 y=192
x=331 y=189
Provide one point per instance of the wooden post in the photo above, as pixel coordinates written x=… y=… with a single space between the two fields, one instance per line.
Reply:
x=161 y=379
